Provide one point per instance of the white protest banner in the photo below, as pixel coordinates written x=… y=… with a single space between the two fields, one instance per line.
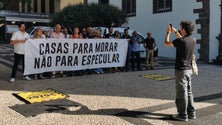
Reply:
x=44 y=55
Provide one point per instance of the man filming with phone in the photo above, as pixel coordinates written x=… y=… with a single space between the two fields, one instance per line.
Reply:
x=184 y=44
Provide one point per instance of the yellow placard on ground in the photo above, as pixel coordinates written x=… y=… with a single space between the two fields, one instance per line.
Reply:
x=157 y=77
x=41 y=96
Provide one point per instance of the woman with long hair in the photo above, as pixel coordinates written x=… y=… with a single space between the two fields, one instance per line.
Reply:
x=38 y=35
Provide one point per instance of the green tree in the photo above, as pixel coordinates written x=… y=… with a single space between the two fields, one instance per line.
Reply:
x=90 y=14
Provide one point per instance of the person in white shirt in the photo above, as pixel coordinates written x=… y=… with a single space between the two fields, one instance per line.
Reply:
x=18 y=39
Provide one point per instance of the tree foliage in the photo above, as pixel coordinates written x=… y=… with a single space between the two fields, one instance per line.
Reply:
x=93 y=14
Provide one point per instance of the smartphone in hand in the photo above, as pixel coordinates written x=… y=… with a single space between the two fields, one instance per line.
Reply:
x=171 y=26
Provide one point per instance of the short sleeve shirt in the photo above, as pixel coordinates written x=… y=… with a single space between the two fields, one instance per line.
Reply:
x=135 y=46
x=149 y=43
x=109 y=35
x=184 y=51
x=57 y=35
x=19 y=47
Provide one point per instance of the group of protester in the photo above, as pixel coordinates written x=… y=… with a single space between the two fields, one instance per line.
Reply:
x=133 y=53
x=184 y=44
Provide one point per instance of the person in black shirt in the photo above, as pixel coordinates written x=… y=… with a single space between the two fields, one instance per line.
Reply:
x=89 y=33
x=110 y=34
x=149 y=44
x=128 y=37
x=86 y=35
x=185 y=45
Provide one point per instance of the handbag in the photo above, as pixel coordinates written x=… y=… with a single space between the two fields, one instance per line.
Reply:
x=194 y=65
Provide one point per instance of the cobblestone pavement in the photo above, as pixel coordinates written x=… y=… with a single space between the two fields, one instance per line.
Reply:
x=122 y=98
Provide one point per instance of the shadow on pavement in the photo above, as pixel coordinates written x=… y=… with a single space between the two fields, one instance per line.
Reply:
x=68 y=107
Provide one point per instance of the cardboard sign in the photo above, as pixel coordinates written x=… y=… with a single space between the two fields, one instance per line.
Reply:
x=157 y=77
x=41 y=96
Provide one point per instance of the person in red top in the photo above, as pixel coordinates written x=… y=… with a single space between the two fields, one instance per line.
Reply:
x=76 y=35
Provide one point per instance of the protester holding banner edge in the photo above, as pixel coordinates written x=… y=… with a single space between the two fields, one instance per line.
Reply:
x=18 y=39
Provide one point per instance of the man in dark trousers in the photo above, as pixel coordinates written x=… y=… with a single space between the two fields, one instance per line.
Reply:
x=18 y=39
x=135 y=51
x=185 y=45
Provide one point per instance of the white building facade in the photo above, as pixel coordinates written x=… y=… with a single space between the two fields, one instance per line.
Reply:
x=154 y=15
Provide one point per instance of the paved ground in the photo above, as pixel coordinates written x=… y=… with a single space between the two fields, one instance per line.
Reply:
x=109 y=99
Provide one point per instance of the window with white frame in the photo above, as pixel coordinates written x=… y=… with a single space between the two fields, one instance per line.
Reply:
x=161 y=6
x=129 y=7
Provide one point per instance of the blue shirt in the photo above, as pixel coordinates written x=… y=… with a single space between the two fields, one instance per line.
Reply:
x=135 y=45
